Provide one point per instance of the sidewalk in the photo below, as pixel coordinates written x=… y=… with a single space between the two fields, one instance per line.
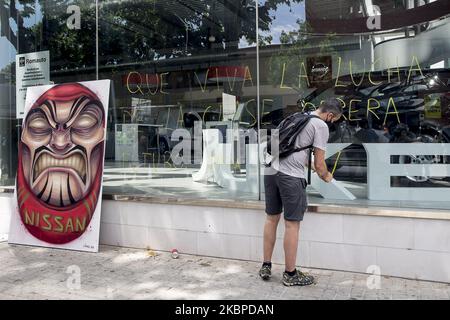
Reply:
x=121 y=273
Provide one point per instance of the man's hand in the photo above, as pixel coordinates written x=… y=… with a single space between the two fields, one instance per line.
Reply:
x=328 y=177
x=320 y=165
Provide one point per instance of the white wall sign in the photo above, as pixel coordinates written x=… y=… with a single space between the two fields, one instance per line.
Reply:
x=218 y=157
x=32 y=69
x=417 y=161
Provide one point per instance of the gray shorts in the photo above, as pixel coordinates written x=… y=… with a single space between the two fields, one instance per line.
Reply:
x=288 y=192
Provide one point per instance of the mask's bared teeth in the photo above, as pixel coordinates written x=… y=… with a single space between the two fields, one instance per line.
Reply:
x=75 y=162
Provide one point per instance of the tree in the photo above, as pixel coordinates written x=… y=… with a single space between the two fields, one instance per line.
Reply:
x=7 y=9
x=132 y=31
x=70 y=49
x=13 y=32
x=152 y=28
x=288 y=63
x=7 y=73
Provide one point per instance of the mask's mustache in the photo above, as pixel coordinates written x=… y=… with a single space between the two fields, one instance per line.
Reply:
x=75 y=161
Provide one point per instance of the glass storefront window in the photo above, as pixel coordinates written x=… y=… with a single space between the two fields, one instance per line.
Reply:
x=178 y=67
x=8 y=138
x=64 y=28
x=392 y=78
x=193 y=92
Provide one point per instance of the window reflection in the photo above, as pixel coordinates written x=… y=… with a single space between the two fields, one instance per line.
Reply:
x=373 y=57
x=191 y=65
x=179 y=67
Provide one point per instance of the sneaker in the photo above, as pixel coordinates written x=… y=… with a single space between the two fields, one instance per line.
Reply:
x=299 y=279
x=265 y=272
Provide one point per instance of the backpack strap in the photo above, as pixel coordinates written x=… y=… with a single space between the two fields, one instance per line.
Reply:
x=309 y=164
x=310 y=147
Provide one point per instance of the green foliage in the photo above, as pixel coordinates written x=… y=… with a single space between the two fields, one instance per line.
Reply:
x=285 y=65
x=134 y=30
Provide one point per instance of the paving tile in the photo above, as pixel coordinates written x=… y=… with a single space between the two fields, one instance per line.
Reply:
x=121 y=273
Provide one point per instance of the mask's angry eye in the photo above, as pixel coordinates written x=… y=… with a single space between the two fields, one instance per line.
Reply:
x=85 y=122
x=39 y=125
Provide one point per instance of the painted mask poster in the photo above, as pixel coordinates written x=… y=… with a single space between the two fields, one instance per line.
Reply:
x=60 y=169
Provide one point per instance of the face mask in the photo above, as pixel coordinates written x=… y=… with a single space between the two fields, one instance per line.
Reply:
x=329 y=118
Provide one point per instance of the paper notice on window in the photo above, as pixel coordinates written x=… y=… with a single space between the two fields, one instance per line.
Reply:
x=32 y=69
x=229 y=106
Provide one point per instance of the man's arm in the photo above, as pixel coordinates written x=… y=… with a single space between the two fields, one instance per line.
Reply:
x=320 y=166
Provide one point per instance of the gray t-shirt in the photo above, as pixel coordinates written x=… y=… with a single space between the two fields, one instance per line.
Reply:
x=315 y=133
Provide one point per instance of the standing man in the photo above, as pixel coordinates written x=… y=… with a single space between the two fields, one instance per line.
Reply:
x=285 y=188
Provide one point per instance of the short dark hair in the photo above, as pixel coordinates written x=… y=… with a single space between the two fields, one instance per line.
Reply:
x=332 y=105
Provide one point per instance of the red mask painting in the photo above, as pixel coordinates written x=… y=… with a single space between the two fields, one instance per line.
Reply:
x=61 y=163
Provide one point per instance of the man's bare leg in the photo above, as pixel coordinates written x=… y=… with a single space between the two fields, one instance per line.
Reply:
x=270 y=235
x=291 y=244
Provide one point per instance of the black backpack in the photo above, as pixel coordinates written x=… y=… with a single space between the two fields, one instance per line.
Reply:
x=289 y=129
